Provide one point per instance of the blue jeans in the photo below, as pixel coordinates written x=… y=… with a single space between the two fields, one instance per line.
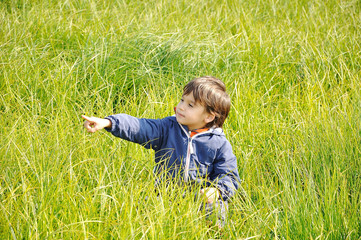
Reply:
x=216 y=212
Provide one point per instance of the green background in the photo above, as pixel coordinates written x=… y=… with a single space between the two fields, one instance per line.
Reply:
x=292 y=69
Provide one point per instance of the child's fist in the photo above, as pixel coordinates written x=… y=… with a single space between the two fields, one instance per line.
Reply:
x=93 y=124
x=210 y=194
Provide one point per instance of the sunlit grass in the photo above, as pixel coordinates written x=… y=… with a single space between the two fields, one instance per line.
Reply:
x=292 y=69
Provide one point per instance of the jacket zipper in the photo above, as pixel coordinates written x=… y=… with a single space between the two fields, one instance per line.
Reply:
x=188 y=157
x=189 y=151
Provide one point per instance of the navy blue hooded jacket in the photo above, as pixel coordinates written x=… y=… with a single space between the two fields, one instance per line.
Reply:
x=205 y=158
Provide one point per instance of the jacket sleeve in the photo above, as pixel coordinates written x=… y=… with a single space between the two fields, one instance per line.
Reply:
x=225 y=172
x=147 y=132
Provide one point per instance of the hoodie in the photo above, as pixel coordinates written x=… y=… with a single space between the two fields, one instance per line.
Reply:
x=206 y=158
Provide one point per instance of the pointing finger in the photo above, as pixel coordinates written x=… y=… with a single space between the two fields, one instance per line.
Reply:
x=86 y=118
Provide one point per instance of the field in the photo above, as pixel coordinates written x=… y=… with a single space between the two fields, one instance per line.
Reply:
x=292 y=69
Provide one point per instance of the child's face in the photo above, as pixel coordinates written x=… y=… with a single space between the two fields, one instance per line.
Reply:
x=192 y=113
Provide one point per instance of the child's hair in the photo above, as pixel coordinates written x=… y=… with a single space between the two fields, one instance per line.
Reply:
x=211 y=93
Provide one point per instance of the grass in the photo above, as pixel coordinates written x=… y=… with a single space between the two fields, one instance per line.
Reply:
x=292 y=69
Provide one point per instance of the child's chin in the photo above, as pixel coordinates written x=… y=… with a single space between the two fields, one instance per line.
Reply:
x=180 y=121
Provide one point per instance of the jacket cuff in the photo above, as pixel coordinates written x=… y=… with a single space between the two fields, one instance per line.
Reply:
x=225 y=191
x=223 y=194
x=110 y=129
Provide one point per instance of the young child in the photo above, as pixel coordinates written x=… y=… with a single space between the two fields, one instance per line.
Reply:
x=191 y=144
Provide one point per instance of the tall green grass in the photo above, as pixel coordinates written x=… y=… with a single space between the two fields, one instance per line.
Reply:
x=292 y=68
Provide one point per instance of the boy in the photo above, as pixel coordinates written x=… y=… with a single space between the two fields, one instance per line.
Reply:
x=190 y=145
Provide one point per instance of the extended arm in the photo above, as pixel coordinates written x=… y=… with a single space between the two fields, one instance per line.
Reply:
x=147 y=132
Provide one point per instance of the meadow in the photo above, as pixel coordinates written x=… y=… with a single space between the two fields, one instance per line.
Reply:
x=292 y=69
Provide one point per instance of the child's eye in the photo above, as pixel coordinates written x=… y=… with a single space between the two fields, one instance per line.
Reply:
x=191 y=105
x=182 y=100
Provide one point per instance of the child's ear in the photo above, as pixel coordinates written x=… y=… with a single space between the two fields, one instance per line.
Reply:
x=210 y=117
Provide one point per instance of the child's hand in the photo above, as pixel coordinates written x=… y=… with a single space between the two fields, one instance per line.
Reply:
x=210 y=194
x=93 y=124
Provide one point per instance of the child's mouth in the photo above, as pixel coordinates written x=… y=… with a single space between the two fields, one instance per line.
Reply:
x=180 y=115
